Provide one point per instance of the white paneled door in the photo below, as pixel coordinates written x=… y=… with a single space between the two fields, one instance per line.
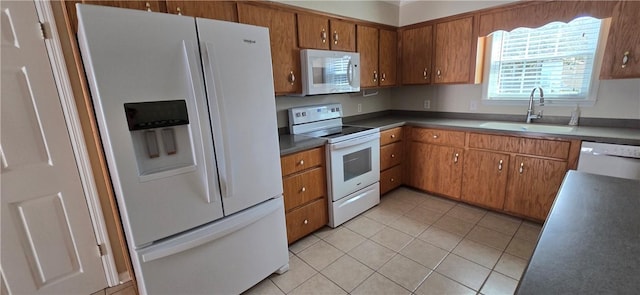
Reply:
x=47 y=241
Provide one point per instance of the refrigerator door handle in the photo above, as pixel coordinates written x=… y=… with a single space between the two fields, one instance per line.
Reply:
x=210 y=233
x=216 y=112
x=188 y=51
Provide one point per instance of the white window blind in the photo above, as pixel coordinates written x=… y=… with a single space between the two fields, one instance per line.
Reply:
x=559 y=57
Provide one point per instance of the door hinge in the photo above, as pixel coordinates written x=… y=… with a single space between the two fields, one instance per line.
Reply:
x=43 y=31
x=102 y=249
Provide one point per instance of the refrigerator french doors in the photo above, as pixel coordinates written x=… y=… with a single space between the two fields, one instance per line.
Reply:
x=186 y=113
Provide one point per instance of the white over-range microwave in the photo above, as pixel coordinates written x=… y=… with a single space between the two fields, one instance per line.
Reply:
x=325 y=71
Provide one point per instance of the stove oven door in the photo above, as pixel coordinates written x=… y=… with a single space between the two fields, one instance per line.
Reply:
x=353 y=165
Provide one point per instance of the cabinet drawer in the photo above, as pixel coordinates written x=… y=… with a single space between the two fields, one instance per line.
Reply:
x=304 y=187
x=391 y=135
x=546 y=148
x=390 y=179
x=437 y=136
x=302 y=160
x=307 y=219
x=390 y=155
x=494 y=142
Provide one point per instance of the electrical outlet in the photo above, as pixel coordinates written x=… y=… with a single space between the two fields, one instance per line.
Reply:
x=473 y=105
x=359 y=108
x=427 y=104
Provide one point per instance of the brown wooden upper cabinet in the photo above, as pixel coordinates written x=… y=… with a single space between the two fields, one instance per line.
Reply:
x=453 y=51
x=622 y=55
x=285 y=54
x=378 y=53
x=220 y=10
x=156 y=6
x=318 y=32
x=416 y=55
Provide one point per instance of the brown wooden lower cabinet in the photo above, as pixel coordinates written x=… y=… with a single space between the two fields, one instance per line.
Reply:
x=484 y=180
x=533 y=186
x=390 y=179
x=305 y=192
x=436 y=168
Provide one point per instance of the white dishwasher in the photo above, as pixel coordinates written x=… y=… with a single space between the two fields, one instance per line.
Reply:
x=610 y=159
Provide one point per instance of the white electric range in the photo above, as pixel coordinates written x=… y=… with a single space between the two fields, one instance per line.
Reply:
x=353 y=159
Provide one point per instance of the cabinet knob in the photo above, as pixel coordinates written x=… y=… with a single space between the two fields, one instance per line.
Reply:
x=500 y=165
x=335 y=37
x=439 y=73
x=323 y=36
x=435 y=136
x=305 y=221
x=292 y=77
x=424 y=73
x=148 y=6
x=384 y=77
x=179 y=10
x=393 y=155
x=301 y=162
x=625 y=59
x=375 y=76
x=521 y=167
x=303 y=189
x=392 y=179
x=393 y=136
x=455 y=157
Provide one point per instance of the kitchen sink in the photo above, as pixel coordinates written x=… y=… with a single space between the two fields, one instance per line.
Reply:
x=528 y=127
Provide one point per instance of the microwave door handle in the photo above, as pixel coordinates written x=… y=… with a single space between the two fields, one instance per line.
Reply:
x=216 y=109
x=192 y=82
x=349 y=72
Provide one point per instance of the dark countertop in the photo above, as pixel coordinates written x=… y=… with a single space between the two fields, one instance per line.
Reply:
x=290 y=143
x=590 y=243
x=631 y=136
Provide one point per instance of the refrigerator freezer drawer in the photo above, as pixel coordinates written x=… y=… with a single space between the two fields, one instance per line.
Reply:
x=226 y=257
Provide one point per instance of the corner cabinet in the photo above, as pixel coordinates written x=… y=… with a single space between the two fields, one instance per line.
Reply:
x=318 y=32
x=622 y=55
x=220 y=10
x=285 y=54
x=417 y=49
x=391 y=156
x=305 y=192
x=436 y=161
x=453 y=51
x=378 y=54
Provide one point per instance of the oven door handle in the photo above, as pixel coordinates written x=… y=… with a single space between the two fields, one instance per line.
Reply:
x=353 y=142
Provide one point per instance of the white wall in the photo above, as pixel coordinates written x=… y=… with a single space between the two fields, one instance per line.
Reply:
x=419 y=11
x=370 y=104
x=374 y=11
x=618 y=99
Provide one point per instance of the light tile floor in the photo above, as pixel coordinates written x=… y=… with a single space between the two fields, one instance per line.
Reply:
x=411 y=243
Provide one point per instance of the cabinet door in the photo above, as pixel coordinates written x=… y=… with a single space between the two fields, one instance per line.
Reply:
x=436 y=169
x=388 y=57
x=221 y=10
x=453 y=51
x=343 y=35
x=416 y=55
x=484 y=180
x=533 y=186
x=368 y=49
x=623 y=41
x=313 y=31
x=285 y=54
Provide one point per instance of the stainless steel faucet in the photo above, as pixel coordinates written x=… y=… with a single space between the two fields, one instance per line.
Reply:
x=530 y=112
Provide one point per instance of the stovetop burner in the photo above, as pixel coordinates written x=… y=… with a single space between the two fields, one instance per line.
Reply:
x=337 y=132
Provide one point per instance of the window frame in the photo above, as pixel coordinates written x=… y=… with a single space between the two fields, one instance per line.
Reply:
x=591 y=98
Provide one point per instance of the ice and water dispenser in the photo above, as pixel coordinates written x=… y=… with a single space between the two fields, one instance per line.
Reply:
x=160 y=135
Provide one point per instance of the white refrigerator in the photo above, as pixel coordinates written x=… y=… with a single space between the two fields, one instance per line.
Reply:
x=186 y=112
